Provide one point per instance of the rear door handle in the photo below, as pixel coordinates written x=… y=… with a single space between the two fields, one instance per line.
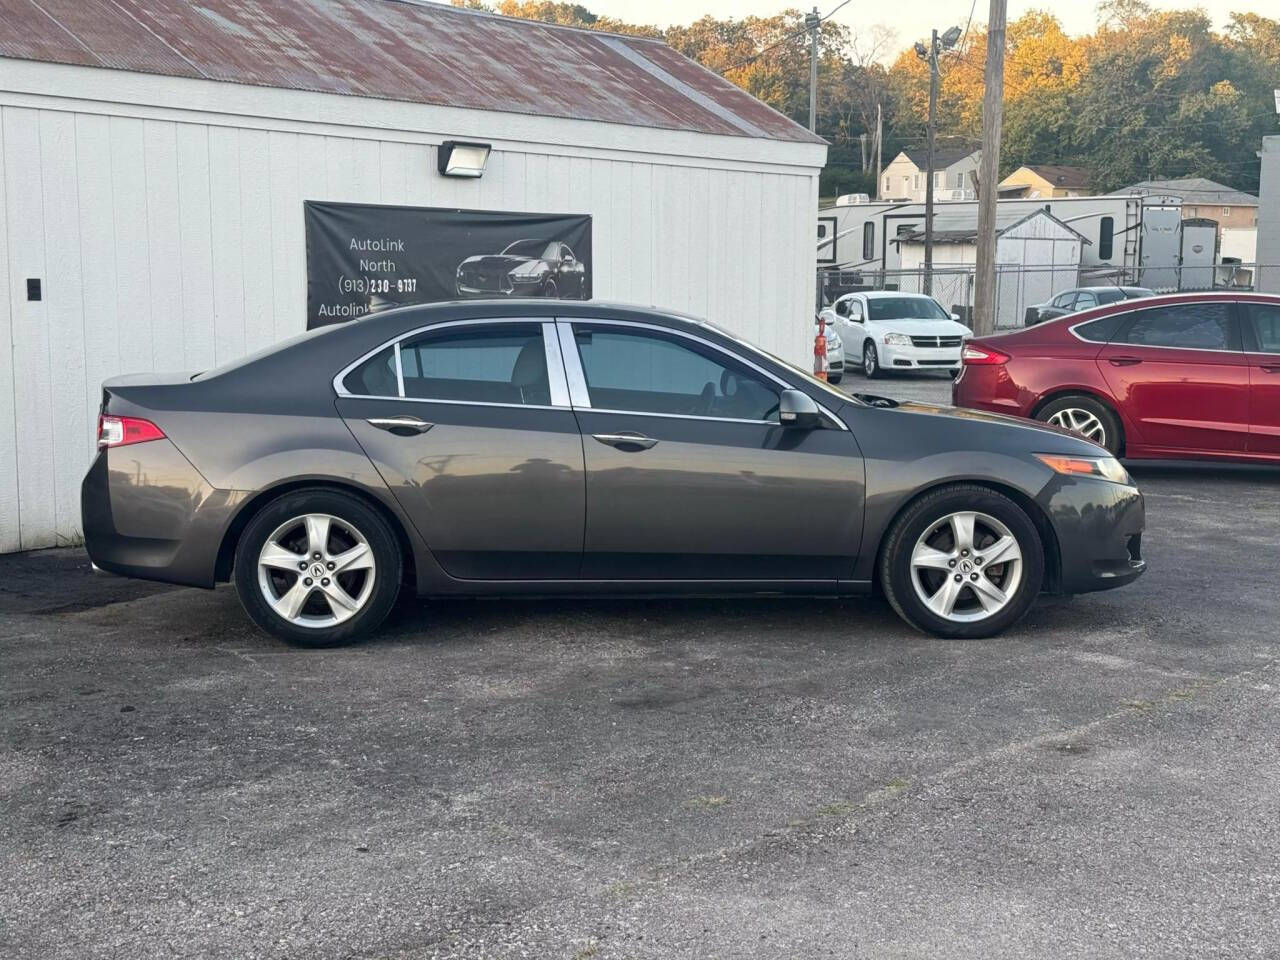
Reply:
x=403 y=426
x=624 y=440
x=1123 y=361
x=1270 y=367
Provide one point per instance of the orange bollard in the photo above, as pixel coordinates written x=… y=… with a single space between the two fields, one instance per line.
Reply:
x=820 y=351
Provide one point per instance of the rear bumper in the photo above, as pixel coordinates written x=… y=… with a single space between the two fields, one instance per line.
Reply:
x=989 y=387
x=148 y=513
x=1099 y=527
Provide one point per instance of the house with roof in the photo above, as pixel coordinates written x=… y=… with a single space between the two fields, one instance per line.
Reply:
x=1234 y=211
x=160 y=156
x=1045 y=180
x=905 y=180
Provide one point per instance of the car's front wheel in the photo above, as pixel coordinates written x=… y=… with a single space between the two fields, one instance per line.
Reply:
x=962 y=561
x=870 y=360
x=318 y=568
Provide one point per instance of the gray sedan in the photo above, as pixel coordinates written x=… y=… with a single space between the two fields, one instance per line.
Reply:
x=539 y=447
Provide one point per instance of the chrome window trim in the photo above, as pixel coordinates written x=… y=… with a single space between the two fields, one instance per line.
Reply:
x=555 y=365
x=578 y=394
x=1155 y=346
x=457 y=403
x=394 y=343
x=570 y=349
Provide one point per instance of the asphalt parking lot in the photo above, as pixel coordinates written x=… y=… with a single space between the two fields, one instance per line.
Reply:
x=762 y=778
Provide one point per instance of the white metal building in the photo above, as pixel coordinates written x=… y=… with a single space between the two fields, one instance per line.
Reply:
x=155 y=156
x=1037 y=238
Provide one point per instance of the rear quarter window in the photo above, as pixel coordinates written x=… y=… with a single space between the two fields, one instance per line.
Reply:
x=1100 y=330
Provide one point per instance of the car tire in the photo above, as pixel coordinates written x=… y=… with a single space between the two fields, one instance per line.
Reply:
x=1086 y=416
x=550 y=290
x=834 y=377
x=915 y=569
x=328 y=611
x=870 y=361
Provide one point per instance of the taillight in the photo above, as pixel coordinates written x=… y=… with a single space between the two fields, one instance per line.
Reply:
x=121 y=431
x=974 y=355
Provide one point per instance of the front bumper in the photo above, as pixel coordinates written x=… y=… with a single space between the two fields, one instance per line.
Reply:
x=1099 y=526
x=916 y=358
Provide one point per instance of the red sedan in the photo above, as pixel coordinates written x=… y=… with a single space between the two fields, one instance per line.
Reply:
x=1184 y=376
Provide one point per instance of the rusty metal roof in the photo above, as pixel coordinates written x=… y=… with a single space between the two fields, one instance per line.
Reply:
x=396 y=50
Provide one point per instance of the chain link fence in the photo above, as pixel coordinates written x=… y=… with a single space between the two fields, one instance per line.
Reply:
x=1019 y=287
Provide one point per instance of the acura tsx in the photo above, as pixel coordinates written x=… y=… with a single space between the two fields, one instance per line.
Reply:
x=522 y=447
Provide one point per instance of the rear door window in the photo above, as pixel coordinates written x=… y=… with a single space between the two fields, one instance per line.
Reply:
x=505 y=363
x=1186 y=326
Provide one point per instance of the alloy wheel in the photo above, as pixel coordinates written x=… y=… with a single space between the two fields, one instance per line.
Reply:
x=1080 y=421
x=966 y=566
x=316 y=570
x=869 y=362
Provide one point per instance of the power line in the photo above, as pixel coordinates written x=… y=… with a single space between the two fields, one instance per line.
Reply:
x=773 y=46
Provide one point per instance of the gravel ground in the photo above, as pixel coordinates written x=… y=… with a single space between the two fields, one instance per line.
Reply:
x=747 y=778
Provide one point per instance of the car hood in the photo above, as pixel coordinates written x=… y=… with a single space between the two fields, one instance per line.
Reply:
x=495 y=261
x=1045 y=438
x=921 y=328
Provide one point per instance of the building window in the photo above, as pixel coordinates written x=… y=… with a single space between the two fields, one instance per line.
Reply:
x=1106 y=236
x=1226 y=211
x=868 y=240
x=939 y=180
x=888 y=187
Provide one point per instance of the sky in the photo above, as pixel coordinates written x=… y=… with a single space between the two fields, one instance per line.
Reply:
x=910 y=21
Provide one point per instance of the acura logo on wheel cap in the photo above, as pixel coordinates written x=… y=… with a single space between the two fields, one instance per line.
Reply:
x=966 y=566
x=317 y=570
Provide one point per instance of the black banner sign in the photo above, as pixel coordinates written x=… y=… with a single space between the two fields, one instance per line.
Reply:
x=366 y=257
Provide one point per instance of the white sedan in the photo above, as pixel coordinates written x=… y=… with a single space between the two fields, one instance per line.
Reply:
x=890 y=331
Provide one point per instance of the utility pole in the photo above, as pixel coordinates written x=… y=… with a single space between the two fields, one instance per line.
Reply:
x=936 y=45
x=879 y=148
x=813 y=21
x=928 y=184
x=984 y=291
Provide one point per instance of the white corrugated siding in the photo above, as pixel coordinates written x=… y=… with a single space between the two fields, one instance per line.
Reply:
x=171 y=240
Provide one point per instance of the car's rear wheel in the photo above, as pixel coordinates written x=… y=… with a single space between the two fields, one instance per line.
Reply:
x=318 y=568
x=1090 y=418
x=962 y=561
x=550 y=290
x=870 y=361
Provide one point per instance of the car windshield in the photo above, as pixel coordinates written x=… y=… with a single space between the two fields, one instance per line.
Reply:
x=538 y=249
x=905 y=308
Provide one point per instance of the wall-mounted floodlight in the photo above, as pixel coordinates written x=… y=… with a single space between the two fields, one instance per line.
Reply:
x=454 y=158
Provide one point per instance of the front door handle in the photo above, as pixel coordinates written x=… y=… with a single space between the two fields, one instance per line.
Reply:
x=624 y=440
x=402 y=426
x=1270 y=367
x=1123 y=361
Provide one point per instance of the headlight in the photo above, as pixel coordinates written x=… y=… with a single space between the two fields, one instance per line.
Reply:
x=897 y=340
x=1103 y=468
x=525 y=273
x=833 y=339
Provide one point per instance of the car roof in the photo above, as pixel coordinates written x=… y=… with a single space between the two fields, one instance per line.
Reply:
x=884 y=294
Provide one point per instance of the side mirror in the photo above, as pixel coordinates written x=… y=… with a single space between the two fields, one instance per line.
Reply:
x=797 y=409
x=956 y=317
x=842 y=308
